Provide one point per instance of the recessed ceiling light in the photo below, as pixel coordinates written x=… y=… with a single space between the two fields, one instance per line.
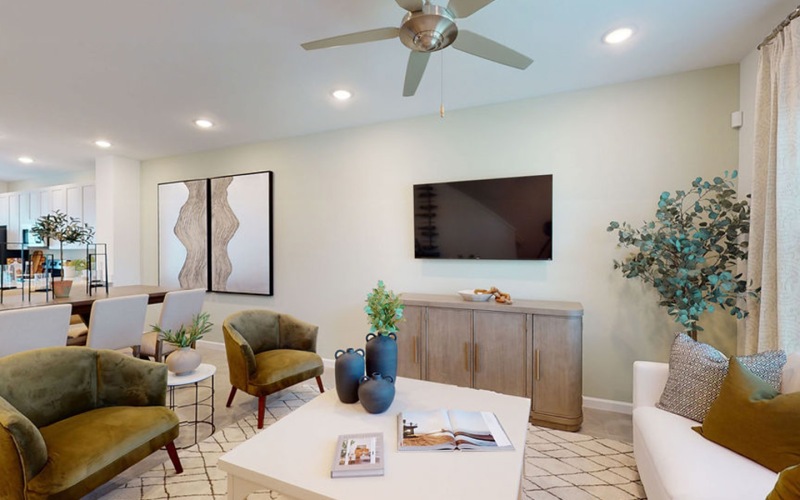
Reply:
x=25 y=159
x=342 y=95
x=101 y=143
x=203 y=123
x=618 y=35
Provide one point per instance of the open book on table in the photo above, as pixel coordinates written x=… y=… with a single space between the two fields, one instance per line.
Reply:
x=451 y=430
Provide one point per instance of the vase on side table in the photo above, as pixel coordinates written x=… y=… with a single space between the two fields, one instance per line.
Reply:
x=183 y=360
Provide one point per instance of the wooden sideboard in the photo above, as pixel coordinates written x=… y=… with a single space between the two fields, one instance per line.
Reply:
x=530 y=348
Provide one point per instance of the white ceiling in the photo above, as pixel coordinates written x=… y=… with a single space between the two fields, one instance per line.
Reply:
x=138 y=72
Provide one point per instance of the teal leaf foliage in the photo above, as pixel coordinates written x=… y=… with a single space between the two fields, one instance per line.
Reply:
x=384 y=310
x=690 y=252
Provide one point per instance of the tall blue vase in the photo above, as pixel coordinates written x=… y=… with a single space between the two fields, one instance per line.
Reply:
x=348 y=369
x=382 y=354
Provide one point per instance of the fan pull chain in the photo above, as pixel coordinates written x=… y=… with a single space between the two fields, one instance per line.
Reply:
x=441 y=87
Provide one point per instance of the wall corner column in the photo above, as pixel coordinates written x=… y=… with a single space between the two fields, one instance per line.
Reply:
x=117 y=182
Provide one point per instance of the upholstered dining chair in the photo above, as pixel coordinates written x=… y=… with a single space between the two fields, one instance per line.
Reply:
x=179 y=308
x=117 y=323
x=33 y=327
x=269 y=351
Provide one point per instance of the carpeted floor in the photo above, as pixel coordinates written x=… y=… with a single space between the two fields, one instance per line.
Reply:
x=558 y=465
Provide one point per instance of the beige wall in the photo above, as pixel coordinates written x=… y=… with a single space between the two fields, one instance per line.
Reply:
x=343 y=207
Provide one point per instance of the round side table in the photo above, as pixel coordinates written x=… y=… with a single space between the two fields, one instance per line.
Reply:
x=185 y=381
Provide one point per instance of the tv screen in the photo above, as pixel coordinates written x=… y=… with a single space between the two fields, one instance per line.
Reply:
x=497 y=219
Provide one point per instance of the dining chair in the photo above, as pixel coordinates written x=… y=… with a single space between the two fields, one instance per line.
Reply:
x=117 y=323
x=179 y=308
x=33 y=327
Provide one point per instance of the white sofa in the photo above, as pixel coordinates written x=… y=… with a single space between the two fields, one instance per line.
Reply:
x=676 y=462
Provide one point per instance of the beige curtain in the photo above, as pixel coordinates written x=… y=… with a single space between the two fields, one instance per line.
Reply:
x=774 y=259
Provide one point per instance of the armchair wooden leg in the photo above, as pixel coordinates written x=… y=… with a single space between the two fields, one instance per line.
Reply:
x=173 y=455
x=319 y=383
x=262 y=402
x=230 y=398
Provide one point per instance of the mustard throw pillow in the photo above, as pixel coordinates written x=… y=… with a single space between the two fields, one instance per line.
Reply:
x=753 y=419
x=788 y=485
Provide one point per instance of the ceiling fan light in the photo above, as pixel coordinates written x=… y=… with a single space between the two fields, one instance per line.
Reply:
x=618 y=35
x=342 y=95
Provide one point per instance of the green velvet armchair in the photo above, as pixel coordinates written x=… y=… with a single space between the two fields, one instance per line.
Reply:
x=267 y=352
x=72 y=418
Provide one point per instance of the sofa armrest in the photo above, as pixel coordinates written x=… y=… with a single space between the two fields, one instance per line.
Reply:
x=649 y=379
x=126 y=381
x=23 y=452
x=297 y=334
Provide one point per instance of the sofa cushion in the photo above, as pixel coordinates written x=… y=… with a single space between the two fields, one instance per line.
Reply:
x=282 y=368
x=99 y=443
x=675 y=462
x=696 y=371
x=751 y=418
x=788 y=485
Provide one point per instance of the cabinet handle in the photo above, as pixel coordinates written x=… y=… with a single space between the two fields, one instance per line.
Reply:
x=536 y=362
x=416 y=352
x=466 y=356
x=476 y=359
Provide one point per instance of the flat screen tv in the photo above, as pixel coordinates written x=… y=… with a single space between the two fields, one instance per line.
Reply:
x=495 y=219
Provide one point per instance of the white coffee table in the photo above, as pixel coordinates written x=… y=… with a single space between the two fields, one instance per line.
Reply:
x=294 y=455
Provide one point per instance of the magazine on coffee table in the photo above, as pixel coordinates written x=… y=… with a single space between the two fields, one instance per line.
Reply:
x=451 y=430
x=358 y=455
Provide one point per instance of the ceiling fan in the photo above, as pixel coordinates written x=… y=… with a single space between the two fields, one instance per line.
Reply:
x=427 y=28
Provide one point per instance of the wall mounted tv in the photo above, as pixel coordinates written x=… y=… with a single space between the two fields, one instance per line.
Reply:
x=496 y=219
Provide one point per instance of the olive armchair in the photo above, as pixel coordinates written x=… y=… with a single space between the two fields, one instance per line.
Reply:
x=269 y=351
x=72 y=418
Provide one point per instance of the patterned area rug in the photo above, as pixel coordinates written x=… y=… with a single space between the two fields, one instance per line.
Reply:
x=558 y=465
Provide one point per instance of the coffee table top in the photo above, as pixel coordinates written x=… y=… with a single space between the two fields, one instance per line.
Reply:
x=294 y=455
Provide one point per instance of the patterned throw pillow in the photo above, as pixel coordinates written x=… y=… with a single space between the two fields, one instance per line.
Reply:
x=696 y=372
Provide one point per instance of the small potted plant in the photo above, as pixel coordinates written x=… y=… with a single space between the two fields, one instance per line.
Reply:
x=58 y=226
x=384 y=311
x=185 y=359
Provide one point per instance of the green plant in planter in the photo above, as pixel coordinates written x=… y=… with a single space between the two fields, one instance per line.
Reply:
x=186 y=336
x=689 y=254
x=384 y=310
x=57 y=226
x=78 y=264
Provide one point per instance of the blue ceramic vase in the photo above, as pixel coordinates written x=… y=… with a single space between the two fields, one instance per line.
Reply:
x=349 y=369
x=376 y=393
x=382 y=355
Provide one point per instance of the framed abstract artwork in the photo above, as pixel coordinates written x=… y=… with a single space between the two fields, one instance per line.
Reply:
x=217 y=234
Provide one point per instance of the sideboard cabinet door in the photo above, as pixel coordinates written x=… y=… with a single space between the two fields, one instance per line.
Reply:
x=449 y=350
x=410 y=336
x=500 y=356
x=557 y=372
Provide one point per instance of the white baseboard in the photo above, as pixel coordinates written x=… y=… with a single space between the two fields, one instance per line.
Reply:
x=214 y=346
x=608 y=405
x=594 y=403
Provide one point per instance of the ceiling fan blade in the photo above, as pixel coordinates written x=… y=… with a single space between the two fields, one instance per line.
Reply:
x=353 y=38
x=417 y=61
x=465 y=8
x=474 y=44
x=410 y=5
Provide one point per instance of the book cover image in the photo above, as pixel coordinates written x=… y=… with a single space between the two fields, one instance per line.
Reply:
x=358 y=455
x=451 y=430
